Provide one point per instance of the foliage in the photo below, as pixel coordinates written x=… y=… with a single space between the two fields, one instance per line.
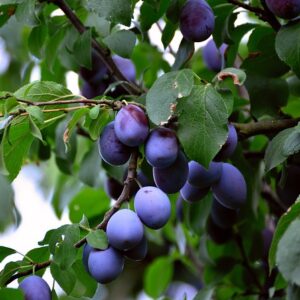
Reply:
x=256 y=88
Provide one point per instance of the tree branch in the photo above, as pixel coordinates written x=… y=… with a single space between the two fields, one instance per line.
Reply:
x=264 y=127
x=263 y=14
x=36 y=267
x=125 y=195
x=103 y=53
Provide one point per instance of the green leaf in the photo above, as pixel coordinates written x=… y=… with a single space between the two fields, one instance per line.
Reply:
x=11 y=294
x=36 y=112
x=267 y=95
x=288 y=252
x=25 y=13
x=293 y=292
x=284 y=222
x=35 y=131
x=202 y=118
x=184 y=53
x=278 y=151
x=4 y=2
x=65 y=254
x=95 y=126
x=36 y=40
x=97 y=239
x=161 y=268
x=168 y=33
x=82 y=49
x=206 y=293
x=288 y=45
x=43 y=91
x=94 y=112
x=7 y=205
x=117 y=11
x=89 y=202
x=164 y=93
x=121 y=42
x=10 y=269
x=238 y=76
x=5 y=251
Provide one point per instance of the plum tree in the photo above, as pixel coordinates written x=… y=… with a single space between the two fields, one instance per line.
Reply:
x=152 y=206
x=201 y=177
x=223 y=216
x=111 y=149
x=231 y=189
x=35 y=288
x=113 y=188
x=172 y=179
x=229 y=147
x=131 y=125
x=213 y=57
x=286 y=9
x=161 y=147
x=197 y=20
x=191 y=193
x=138 y=252
x=124 y=237
x=105 y=265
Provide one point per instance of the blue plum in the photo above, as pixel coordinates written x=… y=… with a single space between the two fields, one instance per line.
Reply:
x=181 y=290
x=111 y=149
x=172 y=179
x=113 y=188
x=35 y=288
x=223 y=216
x=191 y=193
x=161 y=147
x=213 y=57
x=105 y=265
x=201 y=177
x=90 y=91
x=197 y=20
x=286 y=9
x=231 y=189
x=96 y=73
x=139 y=252
x=152 y=206
x=126 y=67
x=218 y=234
x=229 y=147
x=131 y=125
x=85 y=255
x=124 y=230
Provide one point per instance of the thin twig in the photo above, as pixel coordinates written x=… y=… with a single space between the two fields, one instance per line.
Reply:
x=125 y=195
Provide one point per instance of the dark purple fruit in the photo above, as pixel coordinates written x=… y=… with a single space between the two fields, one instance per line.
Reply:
x=85 y=255
x=218 y=234
x=197 y=20
x=131 y=125
x=111 y=149
x=286 y=9
x=139 y=252
x=213 y=57
x=35 y=288
x=126 y=67
x=90 y=91
x=113 y=188
x=191 y=193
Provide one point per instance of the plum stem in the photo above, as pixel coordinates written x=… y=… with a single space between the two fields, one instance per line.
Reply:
x=125 y=195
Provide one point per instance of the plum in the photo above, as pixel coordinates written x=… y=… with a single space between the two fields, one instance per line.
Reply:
x=91 y=91
x=191 y=193
x=172 y=178
x=231 y=189
x=152 y=206
x=85 y=255
x=218 y=234
x=35 y=288
x=139 y=252
x=111 y=149
x=97 y=72
x=126 y=67
x=131 y=125
x=229 y=147
x=113 y=188
x=197 y=20
x=223 y=216
x=161 y=147
x=181 y=290
x=124 y=229
x=213 y=57
x=201 y=177
x=105 y=265
x=286 y=9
